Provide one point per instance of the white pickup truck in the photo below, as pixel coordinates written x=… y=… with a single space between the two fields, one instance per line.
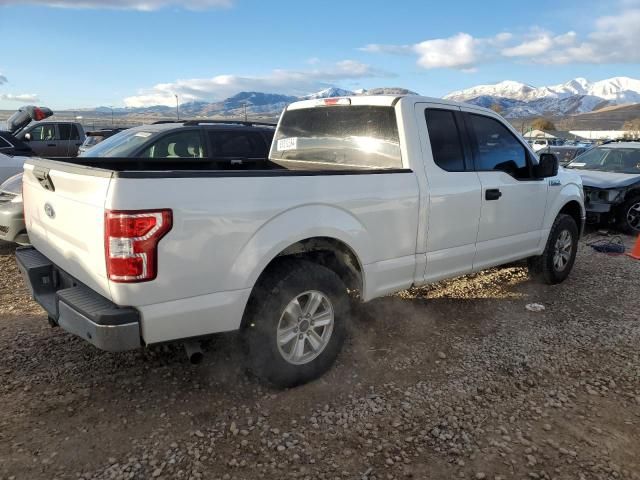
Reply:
x=361 y=197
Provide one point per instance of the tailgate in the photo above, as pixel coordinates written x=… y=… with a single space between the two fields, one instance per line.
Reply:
x=64 y=214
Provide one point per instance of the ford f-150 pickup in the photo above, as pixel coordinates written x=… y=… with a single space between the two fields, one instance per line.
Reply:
x=361 y=197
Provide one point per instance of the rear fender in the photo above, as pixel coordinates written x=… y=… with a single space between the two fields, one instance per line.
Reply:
x=292 y=226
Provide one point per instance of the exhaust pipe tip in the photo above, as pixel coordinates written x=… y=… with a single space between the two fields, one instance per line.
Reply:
x=194 y=352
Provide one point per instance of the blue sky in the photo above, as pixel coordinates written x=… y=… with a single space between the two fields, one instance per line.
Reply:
x=82 y=53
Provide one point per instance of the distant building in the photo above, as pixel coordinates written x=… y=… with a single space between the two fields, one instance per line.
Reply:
x=601 y=134
x=594 y=135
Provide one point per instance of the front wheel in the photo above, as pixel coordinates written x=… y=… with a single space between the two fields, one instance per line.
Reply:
x=296 y=325
x=556 y=262
x=630 y=221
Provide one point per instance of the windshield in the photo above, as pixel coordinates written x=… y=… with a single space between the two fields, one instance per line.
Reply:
x=122 y=144
x=618 y=160
x=13 y=185
x=92 y=140
x=338 y=137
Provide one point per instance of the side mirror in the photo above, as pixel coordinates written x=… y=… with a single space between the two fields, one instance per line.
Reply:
x=27 y=137
x=547 y=166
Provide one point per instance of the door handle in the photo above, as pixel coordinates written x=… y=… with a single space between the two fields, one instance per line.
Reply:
x=51 y=145
x=492 y=194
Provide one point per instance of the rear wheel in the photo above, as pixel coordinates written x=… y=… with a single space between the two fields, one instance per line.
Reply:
x=556 y=262
x=630 y=216
x=297 y=322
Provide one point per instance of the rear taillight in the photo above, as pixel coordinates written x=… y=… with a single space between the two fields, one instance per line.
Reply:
x=131 y=243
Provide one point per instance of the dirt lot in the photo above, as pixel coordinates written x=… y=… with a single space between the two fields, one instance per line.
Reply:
x=456 y=380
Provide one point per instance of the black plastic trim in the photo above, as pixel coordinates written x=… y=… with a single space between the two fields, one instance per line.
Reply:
x=50 y=285
x=69 y=167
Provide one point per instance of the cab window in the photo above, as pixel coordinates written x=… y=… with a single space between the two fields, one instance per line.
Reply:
x=496 y=148
x=444 y=136
x=43 y=133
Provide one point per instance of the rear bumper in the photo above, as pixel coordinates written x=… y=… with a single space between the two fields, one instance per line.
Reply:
x=76 y=308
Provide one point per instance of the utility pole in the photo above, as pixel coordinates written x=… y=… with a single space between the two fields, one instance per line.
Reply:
x=111 y=116
x=245 y=111
x=177 y=107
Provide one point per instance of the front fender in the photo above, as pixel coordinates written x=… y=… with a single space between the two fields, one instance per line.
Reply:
x=556 y=201
x=291 y=226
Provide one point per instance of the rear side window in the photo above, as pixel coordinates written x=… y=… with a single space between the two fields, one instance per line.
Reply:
x=444 y=136
x=68 y=132
x=186 y=144
x=338 y=137
x=497 y=148
x=238 y=144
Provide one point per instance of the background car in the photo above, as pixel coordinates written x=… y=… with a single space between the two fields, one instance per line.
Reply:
x=565 y=153
x=10 y=145
x=229 y=144
x=10 y=165
x=94 y=137
x=12 y=227
x=611 y=179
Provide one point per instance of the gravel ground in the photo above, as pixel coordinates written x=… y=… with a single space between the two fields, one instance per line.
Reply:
x=454 y=380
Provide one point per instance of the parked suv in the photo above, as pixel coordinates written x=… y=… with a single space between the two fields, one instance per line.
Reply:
x=360 y=197
x=229 y=144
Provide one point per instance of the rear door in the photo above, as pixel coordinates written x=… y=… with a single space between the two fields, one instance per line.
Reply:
x=234 y=148
x=454 y=192
x=513 y=201
x=64 y=215
x=68 y=140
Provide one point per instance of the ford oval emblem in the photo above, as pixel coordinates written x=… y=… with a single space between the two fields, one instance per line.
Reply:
x=48 y=209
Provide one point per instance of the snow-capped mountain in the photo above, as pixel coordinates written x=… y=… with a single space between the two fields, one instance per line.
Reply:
x=576 y=96
x=328 y=93
x=256 y=103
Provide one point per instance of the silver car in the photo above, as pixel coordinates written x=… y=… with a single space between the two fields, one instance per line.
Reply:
x=12 y=227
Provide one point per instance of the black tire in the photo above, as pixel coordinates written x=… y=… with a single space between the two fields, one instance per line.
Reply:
x=279 y=286
x=544 y=266
x=626 y=223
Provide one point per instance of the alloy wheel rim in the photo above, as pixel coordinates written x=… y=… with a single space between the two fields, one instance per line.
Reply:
x=305 y=327
x=563 y=250
x=633 y=217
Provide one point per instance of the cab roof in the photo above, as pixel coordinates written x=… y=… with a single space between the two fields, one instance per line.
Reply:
x=384 y=101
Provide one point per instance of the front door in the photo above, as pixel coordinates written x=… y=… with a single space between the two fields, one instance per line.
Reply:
x=513 y=202
x=44 y=139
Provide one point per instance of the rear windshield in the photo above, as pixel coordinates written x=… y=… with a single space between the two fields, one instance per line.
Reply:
x=122 y=144
x=338 y=137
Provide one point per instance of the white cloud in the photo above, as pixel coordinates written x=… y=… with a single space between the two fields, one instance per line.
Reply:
x=141 y=5
x=612 y=39
x=23 y=97
x=540 y=43
x=459 y=51
x=3 y=79
x=278 y=81
x=394 y=49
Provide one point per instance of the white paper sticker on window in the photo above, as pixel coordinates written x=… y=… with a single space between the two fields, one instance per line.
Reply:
x=142 y=134
x=578 y=164
x=287 y=144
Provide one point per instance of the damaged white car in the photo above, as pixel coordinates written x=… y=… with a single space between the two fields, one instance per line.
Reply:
x=611 y=180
